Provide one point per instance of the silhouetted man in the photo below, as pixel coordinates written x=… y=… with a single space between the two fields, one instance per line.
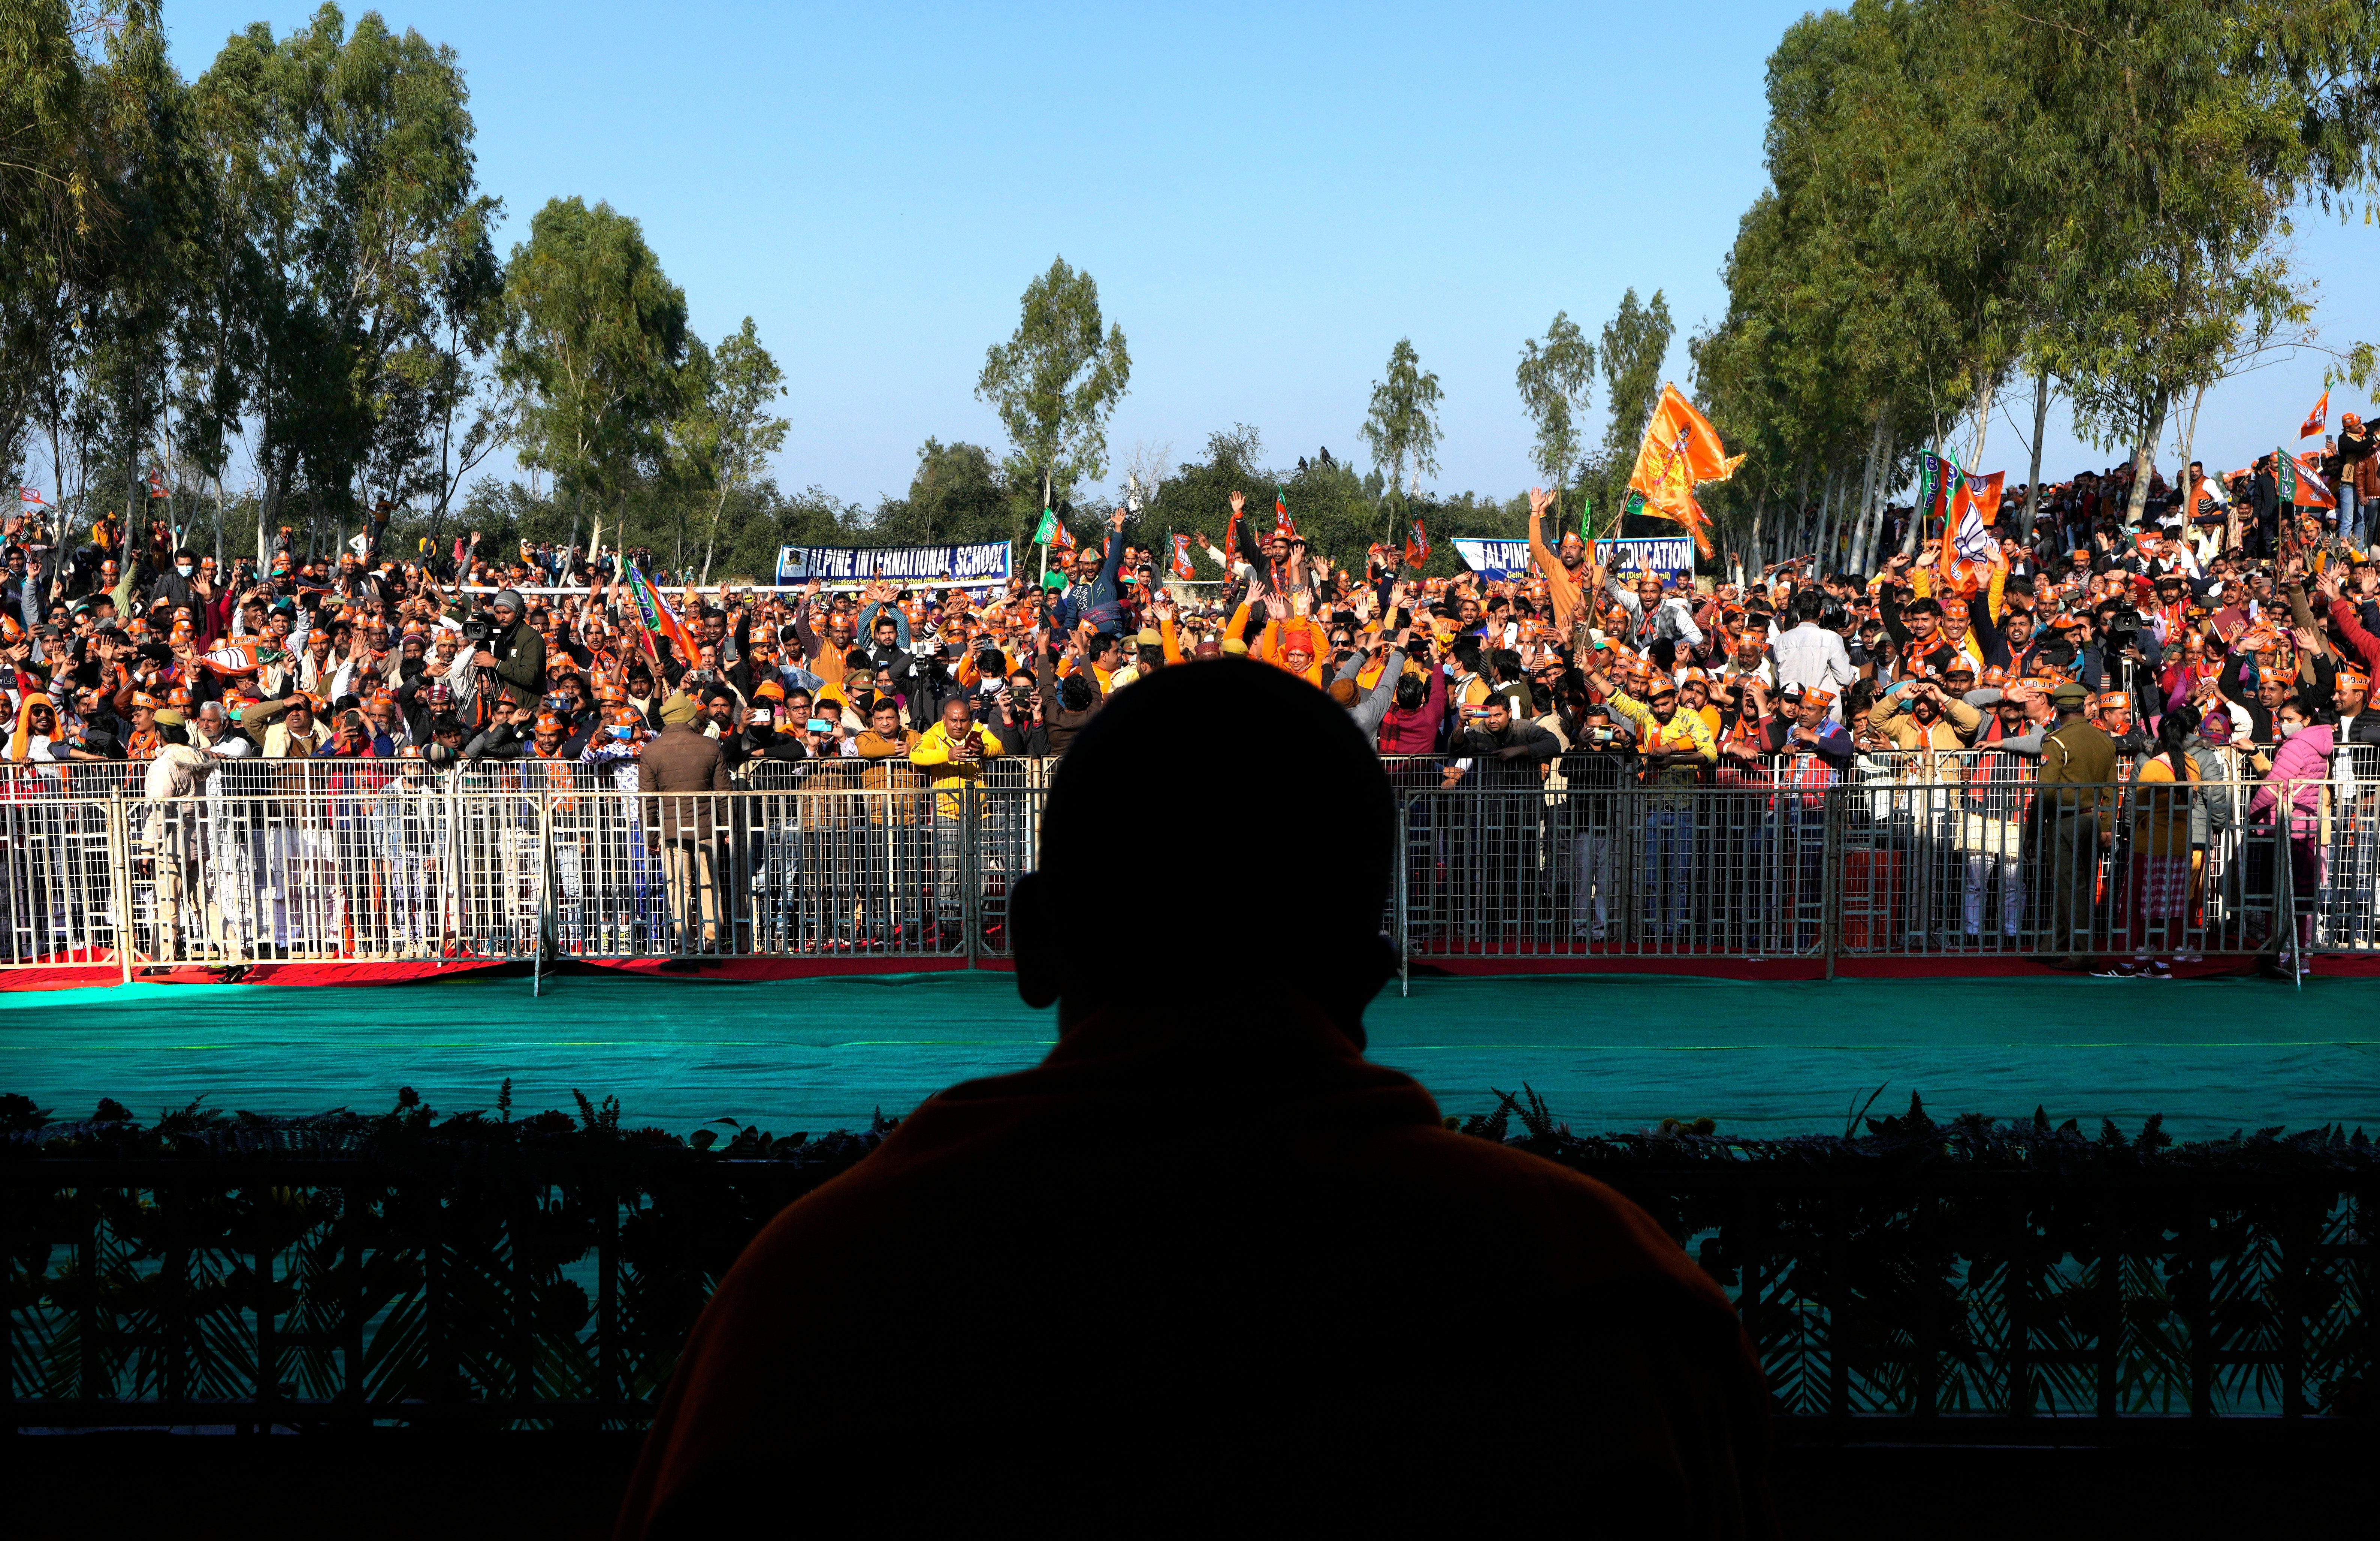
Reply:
x=1205 y=1249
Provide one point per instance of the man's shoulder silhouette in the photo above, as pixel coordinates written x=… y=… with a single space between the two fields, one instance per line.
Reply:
x=1206 y=1240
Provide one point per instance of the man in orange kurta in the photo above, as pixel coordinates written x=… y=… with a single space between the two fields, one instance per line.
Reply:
x=1205 y=1249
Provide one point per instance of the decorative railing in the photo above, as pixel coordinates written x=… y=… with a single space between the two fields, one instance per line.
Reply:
x=543 y=1271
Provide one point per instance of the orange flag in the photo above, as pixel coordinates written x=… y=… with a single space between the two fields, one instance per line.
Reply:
x=1680 y=451
x=2317 y=419
x=1968 y=544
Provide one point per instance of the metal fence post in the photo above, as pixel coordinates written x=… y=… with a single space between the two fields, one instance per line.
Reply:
x=544 y=893
x=1831 y=879
x=970 y=873
x=1403 y=918
x=119 y=883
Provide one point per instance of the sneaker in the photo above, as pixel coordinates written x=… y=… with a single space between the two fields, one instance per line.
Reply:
x=2116 y=971
x=2156 y=969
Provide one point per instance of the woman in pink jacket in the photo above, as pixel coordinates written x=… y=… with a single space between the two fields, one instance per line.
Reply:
x=2295 y=774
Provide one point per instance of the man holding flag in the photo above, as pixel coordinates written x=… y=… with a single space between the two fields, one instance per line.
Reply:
x=1681 y=451
x=659 y=620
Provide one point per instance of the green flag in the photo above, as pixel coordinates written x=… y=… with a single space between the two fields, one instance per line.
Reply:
x=1048 y=528
x=1586 y=517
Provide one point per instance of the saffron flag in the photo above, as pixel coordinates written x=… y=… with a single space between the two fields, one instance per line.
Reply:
x=658 y=618
x=2317 y=419
x=1182 y=568
x=1417 y=546
x=1061 y=539
x=1282 y=525
x=2301 y=484
x=26 y=494
x=157 y=484
x=1968 y=545
x=1680 y=451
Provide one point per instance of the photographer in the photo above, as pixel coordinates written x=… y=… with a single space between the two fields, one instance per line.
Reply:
x=2125 y=657
x=507 y=652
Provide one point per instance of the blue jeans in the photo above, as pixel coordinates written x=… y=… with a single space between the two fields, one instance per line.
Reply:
x=1669 y=867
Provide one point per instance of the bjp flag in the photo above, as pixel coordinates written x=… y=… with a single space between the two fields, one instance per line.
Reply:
x=1680 y=451
x=1968 y=544
x=2317 y=419
x=1182 y=568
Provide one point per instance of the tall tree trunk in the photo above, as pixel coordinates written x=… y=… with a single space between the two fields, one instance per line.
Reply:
x=1759 y=507
x=2152 y=424
x=1788 y=532
x=1983 y=424
x=1868 y=493
x=2188 y=448
x=1879 y=494
x=2033 y=473
x=710 y=541
x=1825 y=520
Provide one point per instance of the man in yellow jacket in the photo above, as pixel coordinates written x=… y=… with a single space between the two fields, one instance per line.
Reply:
x=953 y=753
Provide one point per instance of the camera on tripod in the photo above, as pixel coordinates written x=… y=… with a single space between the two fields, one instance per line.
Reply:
x=480 y=631
x=2124 y=624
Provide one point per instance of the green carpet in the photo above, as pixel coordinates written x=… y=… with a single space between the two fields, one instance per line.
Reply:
x=1607 y=1052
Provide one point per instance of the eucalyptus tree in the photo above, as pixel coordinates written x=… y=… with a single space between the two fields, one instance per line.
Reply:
x=594 y=335
x=2235 y=118
x=1636 y=340
x=726 y=431
x=351 y=236
x=1556 y=379
x=1400 y=428
x=1055 y=383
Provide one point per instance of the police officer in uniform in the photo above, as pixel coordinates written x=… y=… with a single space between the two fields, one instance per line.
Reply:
x=2075 y=806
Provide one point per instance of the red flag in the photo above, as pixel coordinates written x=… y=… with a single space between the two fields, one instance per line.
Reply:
x=26 y=494
x=1417 y=546
x=1182 y=568
x=2317 y=419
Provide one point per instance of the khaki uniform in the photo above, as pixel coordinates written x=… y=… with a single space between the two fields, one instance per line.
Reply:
x=2076 y=803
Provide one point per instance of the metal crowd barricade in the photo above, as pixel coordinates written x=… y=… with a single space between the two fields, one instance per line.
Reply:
x=1950 y=856
x=1964 y=863
x=59 y=900
x=1712 y=872
x=2347 y=901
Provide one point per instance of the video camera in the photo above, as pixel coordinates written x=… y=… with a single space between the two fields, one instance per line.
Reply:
x=482 y=630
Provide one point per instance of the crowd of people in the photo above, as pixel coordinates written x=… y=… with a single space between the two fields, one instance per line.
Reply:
x=2136 y=666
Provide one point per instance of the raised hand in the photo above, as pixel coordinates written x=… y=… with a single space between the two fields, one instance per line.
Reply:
x=1539 y=501
x=1239 y=502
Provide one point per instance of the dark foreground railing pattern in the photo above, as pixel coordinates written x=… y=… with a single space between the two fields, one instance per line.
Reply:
x=346 y=1271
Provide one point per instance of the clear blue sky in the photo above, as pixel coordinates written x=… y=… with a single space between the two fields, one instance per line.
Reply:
x=1268 y=195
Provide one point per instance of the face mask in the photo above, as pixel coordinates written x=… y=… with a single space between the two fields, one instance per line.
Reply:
x=2288 y=730
x=183 y=569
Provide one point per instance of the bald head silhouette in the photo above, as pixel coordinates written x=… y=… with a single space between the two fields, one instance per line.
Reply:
x=1232 y=767
x=1205 y=1253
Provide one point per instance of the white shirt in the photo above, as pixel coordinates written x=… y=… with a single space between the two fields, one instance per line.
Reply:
x=1812 y=657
